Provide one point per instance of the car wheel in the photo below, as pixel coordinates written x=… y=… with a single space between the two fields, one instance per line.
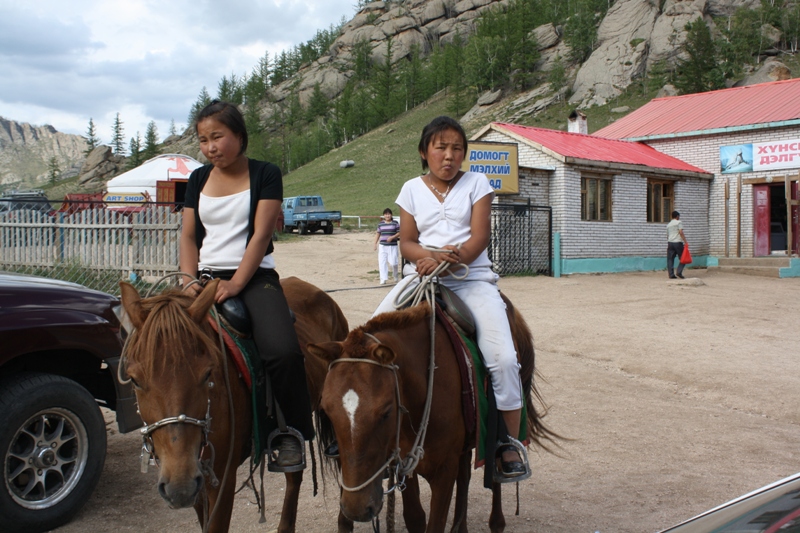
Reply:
x=302 y=229
x=53 y=446
x=328 y=229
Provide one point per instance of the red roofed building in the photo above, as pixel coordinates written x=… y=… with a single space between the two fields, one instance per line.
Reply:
x=611 y=199
x=749 y=138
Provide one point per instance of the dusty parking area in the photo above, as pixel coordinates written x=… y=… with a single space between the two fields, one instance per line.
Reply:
x=677 y=396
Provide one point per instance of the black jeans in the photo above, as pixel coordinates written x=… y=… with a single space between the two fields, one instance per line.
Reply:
x=674 y=249
x=276 y=340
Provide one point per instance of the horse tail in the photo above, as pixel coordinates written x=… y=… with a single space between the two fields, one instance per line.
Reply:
x=538 y=432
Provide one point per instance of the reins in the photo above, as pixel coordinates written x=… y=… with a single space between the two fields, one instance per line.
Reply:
x=206 y=466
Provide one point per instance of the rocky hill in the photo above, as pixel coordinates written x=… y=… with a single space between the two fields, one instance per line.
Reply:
x=26 y=151
x=632 y=37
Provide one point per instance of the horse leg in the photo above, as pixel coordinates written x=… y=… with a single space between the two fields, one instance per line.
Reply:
x=441 y=494
x=462 y=493
x=219 y=501
x=497 y=522
x=289 y=511
x=413 y=513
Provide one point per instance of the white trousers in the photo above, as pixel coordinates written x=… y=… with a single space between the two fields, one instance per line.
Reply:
x=493 y=331
x=387 y=256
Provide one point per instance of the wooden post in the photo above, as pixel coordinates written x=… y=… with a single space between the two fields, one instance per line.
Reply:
x=787 y=189
x=727 y=215
x=738 y=215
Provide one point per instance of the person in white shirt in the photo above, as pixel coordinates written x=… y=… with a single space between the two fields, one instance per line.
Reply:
x=675 y=242
x=447 y=208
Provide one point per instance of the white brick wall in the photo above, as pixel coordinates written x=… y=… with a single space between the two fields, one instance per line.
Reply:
x=703 y=152
x=629 y=233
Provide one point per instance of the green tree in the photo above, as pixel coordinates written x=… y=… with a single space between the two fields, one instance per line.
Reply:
x=384 y=87
x=173 y=130
x=318 y=104
x=203 y=99
x=557 y=76
x=53 y=171
x=698 y=73
x=458 y=92
x=135 y=149
x=362 y=59
x=580 y=31
x=150 y=141
x=91 y=138
x=118 y=136
x=411 y=76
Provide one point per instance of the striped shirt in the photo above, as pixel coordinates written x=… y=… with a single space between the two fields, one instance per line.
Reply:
x=386 y=230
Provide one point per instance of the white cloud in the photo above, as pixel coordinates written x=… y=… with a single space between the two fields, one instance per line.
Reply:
x=64 y=62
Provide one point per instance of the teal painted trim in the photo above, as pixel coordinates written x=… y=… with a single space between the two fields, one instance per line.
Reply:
x=557 y=254
x=712 y=131
x=792 y=271
x=599 y=265
x=712 y=261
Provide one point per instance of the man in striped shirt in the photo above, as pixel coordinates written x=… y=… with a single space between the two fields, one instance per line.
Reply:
x=387 y=235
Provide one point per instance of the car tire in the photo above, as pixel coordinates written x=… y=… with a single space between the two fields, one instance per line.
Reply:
x=302 y=229
x=51 y=428
x=329 y=229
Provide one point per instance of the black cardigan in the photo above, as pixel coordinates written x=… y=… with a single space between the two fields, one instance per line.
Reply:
x=266 y=183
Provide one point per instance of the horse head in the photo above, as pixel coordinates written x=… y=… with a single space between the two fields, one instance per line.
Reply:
x=360 y=399
x=172 y=360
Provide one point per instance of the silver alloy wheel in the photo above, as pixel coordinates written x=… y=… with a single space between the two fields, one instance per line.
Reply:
x=46 y=458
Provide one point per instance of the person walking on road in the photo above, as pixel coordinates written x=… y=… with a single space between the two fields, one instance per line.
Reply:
x=386 y=236
x=675 y=242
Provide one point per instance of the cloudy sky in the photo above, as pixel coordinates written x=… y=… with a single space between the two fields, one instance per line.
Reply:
x=64 y=61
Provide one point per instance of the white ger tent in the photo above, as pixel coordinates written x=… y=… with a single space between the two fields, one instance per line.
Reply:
x=132 y=185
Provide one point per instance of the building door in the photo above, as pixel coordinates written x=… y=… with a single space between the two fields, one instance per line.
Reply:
x=795 y=218
x=761 y=220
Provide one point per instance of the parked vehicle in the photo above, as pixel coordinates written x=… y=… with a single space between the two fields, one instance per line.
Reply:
x=774 y=508
x=60 y=345
x=308 y=214
x=32 y=200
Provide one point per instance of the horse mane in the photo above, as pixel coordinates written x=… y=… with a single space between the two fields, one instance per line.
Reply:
x=169 y=325
x=401 y=319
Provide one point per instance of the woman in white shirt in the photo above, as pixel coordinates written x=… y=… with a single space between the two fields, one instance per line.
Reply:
x=450 y=209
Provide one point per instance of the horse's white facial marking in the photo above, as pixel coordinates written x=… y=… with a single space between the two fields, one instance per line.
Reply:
x=350 y=403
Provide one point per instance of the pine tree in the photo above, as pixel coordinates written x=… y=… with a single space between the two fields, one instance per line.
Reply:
x=91 y=138
x=317 y=105
x=118 y=137
x=203 y=99
x=173 y=130
x=150 y=141
x=135 y=158
x=52 y=170
x=698 y=73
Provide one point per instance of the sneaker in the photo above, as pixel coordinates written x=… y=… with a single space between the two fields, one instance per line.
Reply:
x=672 y=277
x=289 y=452
x=681 y=276
x=383 y=282
x=510 y=468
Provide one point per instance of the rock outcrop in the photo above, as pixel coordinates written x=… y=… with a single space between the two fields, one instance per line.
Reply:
x=26 y=152
x=100 y=166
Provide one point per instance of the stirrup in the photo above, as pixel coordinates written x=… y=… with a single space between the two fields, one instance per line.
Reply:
x=272 y=452
x=523 y=453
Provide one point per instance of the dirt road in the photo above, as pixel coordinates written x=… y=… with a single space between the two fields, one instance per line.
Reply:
x=677 y=397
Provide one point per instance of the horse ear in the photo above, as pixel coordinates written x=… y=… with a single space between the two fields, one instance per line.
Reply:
x=132 y=303
x=383 y=354
x=327 y=351
x=199 y=308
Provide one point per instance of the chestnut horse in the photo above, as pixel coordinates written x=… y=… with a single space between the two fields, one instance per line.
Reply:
x=383 y=375
x=177 y=368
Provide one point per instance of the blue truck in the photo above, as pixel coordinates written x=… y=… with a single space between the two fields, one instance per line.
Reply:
x=308 y=214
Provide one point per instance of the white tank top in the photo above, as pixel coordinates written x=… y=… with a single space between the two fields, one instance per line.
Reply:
x=225 y=220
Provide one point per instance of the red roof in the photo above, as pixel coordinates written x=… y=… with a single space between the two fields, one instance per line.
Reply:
x=590 y=148
x=764 y=103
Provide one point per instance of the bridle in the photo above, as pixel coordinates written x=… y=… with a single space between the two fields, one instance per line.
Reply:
x=148 y=455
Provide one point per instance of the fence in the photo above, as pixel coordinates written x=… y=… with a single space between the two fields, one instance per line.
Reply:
x=521 y=241
x=98 y=247
x=94 y=247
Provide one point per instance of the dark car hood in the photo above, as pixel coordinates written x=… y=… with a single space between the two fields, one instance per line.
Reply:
x=19 y=292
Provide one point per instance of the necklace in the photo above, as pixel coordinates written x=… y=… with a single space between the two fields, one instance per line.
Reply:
x=444 y=194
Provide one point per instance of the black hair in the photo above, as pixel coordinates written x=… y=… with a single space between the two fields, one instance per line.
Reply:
x=387 y=211
x=436 y=127
x=675 y=214
x=227 y=114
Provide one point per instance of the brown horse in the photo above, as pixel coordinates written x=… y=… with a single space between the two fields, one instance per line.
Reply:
x=384 y=361
x=177 y=368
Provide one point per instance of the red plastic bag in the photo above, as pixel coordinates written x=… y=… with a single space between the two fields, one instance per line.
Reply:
x=686 y=257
